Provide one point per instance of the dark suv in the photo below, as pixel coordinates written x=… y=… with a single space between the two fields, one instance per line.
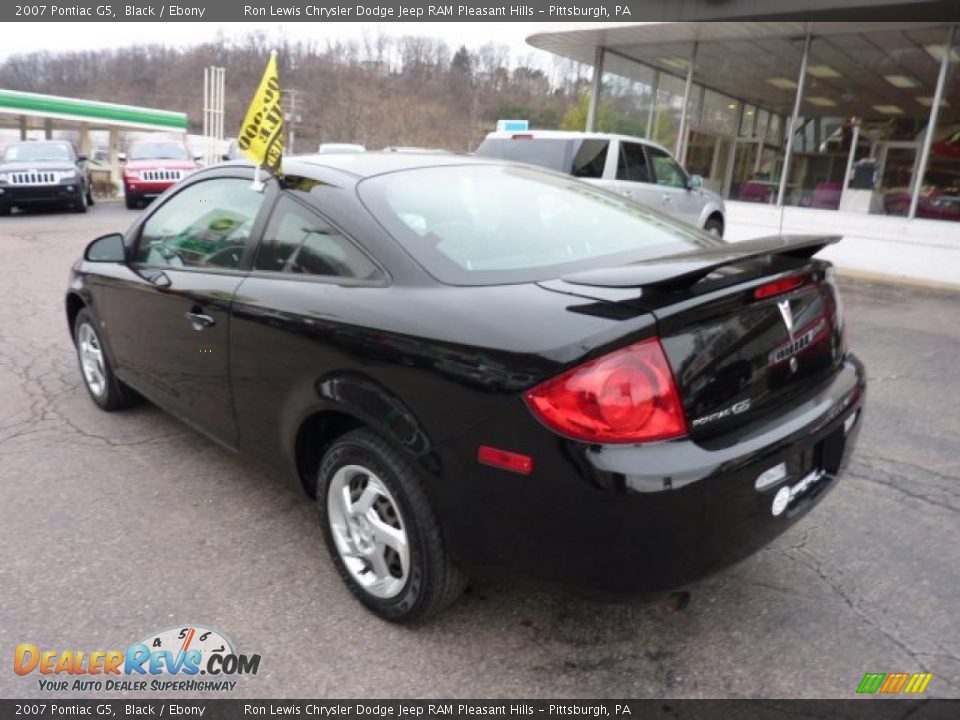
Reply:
x=49 y=172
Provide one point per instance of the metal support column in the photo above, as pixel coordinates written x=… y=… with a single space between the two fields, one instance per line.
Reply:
x=851 y=156
x=932 y=125
x=595 y=86
x=781 y=192
x=651 y=111
x=680 y=150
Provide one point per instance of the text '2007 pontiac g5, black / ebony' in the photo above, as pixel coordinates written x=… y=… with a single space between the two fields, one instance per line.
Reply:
x=472 y=364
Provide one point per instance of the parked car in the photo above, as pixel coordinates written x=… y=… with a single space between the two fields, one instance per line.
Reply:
x=475 y=364
x=939 y=197
x=44 y=173
x=152 y=166
x=636 y=168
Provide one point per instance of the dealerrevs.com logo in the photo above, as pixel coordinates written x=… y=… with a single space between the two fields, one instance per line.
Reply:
x=191 y=658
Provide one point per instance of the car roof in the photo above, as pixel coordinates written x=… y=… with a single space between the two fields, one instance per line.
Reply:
x=572 y=135
x=368 y=164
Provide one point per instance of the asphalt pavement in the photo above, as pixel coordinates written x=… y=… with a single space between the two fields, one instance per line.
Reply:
x=114 y=526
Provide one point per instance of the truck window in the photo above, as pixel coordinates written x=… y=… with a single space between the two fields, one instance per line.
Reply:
x=632 y=163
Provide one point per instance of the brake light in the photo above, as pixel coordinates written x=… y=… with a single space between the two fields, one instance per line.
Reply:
x=627 y=396
x=778 y=287
x=521 y=136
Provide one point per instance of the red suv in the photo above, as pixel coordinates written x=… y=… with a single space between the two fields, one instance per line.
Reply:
x=152 y=166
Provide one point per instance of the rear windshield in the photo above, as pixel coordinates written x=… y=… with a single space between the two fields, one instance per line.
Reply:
x=582 y=157
x=492 y=224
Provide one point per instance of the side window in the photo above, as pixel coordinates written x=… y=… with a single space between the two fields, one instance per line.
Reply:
x=632 y=164
x=590 y=158
x=203 y=226
x=299 y=241
x=665 y=169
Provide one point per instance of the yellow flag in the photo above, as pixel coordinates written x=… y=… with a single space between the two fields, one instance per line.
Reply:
x=261 y=136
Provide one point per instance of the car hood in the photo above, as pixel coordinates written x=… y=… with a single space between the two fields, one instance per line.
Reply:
x=150 y=164
x=36 y=165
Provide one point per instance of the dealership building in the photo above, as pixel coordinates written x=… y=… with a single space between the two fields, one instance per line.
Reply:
x=831 y=126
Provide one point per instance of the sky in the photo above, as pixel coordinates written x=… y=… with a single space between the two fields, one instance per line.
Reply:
x=32 y=37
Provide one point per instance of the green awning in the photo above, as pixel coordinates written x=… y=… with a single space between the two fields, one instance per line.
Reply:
x=97 y=114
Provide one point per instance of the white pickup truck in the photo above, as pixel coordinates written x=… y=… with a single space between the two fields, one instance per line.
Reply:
x=634 y=167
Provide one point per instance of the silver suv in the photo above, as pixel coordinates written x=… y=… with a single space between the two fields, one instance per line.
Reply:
x=634 y=167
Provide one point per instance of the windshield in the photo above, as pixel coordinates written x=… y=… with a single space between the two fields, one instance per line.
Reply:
x=491 y=224
x=158 y=151
x=39 y=152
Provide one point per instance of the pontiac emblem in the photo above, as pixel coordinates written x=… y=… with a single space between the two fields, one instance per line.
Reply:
x=787 y=315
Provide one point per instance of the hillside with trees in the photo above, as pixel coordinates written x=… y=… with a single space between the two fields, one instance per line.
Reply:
x=376 y=91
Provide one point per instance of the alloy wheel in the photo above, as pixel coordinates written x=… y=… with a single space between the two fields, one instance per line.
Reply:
x=368 y=531
x=91 y=360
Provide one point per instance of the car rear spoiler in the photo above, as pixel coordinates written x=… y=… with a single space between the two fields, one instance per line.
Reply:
x=686 y=269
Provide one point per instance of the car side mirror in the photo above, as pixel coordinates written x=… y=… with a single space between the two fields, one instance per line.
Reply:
x=696 y=181
x=106 y=249
x=81 y=158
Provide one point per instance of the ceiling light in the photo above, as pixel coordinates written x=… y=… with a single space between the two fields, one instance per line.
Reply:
x=782 y=83
x=928 y=102
x=888 y=109
x=675 y=62
x=936 y=52
x=821 y=101
x=902 y=81
x=822 y=71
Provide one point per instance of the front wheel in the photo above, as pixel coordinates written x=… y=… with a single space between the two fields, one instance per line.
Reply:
x=104 y=387
x=714 y=226
x=81 y=203
x=382 y=532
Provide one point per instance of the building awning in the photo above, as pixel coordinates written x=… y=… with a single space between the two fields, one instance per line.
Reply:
x=98 y=115
x=757 y=62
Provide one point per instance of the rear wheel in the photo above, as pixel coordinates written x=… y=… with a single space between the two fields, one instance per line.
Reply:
x=104 y=387
x=381 y=531
x=714 y=226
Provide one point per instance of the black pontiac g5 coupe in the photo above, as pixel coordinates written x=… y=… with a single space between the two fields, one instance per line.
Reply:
x=472 y=364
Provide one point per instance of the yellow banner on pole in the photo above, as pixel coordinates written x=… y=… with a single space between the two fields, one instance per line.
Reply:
x=261 y=135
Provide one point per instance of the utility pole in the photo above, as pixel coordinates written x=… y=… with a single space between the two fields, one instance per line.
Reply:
x=291 y=117
x=214 y=84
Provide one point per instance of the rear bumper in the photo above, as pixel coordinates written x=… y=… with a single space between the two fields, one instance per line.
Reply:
x=25 y=195
x=650 y=518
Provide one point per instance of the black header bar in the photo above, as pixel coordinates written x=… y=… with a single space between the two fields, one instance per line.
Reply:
x=476 y=10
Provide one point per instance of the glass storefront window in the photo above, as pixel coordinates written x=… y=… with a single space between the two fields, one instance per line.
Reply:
x=627 y=95
x=666 y=126
x=939 y=197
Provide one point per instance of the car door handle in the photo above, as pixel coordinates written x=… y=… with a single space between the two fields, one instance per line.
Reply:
x=199 y=319
x=628 y=193
x=666 y=199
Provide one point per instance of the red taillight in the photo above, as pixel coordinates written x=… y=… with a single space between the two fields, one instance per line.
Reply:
x=626 y=396
x=778 y=287
x=505 y=459
x=521 y=136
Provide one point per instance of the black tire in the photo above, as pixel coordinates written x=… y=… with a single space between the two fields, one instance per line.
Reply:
x=714 y=226
x=433 y=581
x=131 y=201
x=81 y=204
x=114 y=395
x=90 y=196
x=5 y=210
